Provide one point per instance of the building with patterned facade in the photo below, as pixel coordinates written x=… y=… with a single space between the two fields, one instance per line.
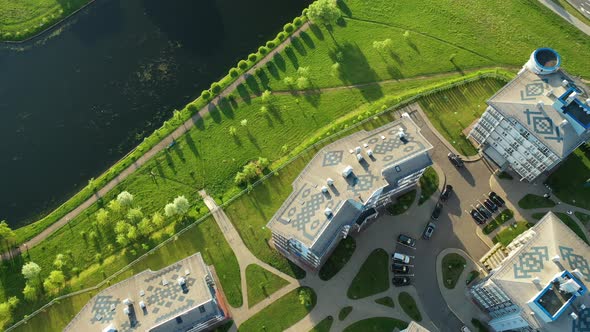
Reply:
x=537 y=119
x=542 y=284
x=181 y=297
x=339 y=191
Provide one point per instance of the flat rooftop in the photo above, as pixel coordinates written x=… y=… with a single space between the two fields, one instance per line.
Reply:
x=302 y=215
x=163 y=302
x=519 y=99
x=538 y=246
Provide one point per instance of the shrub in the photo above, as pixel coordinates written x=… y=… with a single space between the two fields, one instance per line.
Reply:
x=252 y=57
x=271 y=44
x=298 y=22
x=206 y=94
x=282 y=36
x=289 y=28
x=242 y=65
x=263 y=50
x=215 y=88
x=234 y=72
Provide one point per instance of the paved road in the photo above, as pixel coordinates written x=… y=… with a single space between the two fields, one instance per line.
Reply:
x=567 y=16
x=581 y=5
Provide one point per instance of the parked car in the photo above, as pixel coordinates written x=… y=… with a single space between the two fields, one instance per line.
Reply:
x=446 y=193
x=483 y=211
x=400 y=281
x=465 y=329
x=428 y=231
x=401 y=258
x=406 y=240
x=477 y=217
x=400 y=268
x=497 y=199
x=490 y=205
x=455 y=160
x=437 y=210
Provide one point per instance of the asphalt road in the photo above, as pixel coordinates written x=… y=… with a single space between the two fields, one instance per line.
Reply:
x=582 y=5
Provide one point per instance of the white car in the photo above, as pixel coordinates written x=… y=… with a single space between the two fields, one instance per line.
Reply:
x=401 y=258
x=465 y=329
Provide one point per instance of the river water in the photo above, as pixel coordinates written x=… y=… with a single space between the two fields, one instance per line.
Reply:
x=78 y=99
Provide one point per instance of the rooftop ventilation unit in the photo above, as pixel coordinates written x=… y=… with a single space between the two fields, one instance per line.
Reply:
x=574 y=316
x=357 y=150
x=556 y=259
x=127 y=311
x=181 y=281
x=328 y=212
x=142 y=305
x=565 y=83
x=324 y=189
x=359 y=157
x=370 y=153
x=549 y=93
x=382 y=137
x=347 y=171
x=540 y=104
x=563 y=123
x=536 y=281
x=330 y=181
x=127 y=302
x=588 y=101
x=576 y=273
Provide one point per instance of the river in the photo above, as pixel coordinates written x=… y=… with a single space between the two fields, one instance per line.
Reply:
x=79 y=98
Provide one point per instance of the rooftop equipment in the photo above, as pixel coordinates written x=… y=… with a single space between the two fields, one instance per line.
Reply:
x=181 y=281
x=324 y=189
x=330 y=181
x=565 y=83
x=347 y=171
x=540 y=104
x=142 y=304
x=357 y=150
x=127 y=311
x=359 y=157
x=127 y=302
x=370 y=153
x=328 y=212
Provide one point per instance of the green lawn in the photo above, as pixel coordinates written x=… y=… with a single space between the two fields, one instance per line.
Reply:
x=573 y=226
x=338 y=259
x=406 y=301
x=584 y=218
x=402 y=203
x=261 y=283
x=453 y=110
x=282 y=313
x=386 y=301
x=452 y=266
x=571 y=181
x=376 y=324
x=21 y=19
x=538 y=215
x=481 y=327
x=324 y=325
x=344 y=312
x=373 y=276
x=500 y=219
x=530 y=201
x=428 y=184
x=508 y=234
x=505 y=176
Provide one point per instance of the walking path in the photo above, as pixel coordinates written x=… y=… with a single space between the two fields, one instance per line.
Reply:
x=566 y=16
x=245 y=258
x=188 y=124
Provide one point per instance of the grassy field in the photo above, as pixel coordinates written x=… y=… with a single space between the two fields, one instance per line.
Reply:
x=261 y=283
x=452 y=266
x=338 y=259
x=451 y=111
x=499 y=220
x=570 y=182
x=584 y=218
x=324 y=325
x=386 y=301
x=406 y=301
x=530 y=201
x=428 y=184
x=508 y=234
x=373 y=276
x=344 y=312
x=22 y=19
x=402 y=203
x=573 y=226
x=281 y=314
x=376 y=324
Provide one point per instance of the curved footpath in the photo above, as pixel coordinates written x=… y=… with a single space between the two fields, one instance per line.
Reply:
x=185 y=127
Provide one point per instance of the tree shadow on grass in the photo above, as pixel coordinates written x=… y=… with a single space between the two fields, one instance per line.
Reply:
x=457 y=68
x=313 y=96
x=253 y=84
x=226 y=108
x=279 y=61
x=344 y=8
x=191 y=145
x=253 y=139
x=244 y=94
x=292 y=57
x=395 y=57
x=394 y=72
x=307 y=39
x=275 y=112
x=355 y=69
x=179 y=153
x=317 y=31
x=264 y=80
x=198 y=121
x=413 y=46
x=298 y=45
x=214 y=112
x=169 y=161
x=273 y=70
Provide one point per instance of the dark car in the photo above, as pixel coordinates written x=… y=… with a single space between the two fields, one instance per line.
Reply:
x=446 y=193
x=483 y=211
x=436 y=212
x=497 y=199
x=400 y=281
x=455 y=160
x=399 y=268
x=490 y=205
x=406 y=240
x=428 y=231
x=477 y=217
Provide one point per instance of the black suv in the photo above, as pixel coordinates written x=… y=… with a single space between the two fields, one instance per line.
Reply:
x=477 y=217
x=446 y=193
x=406 y=240
x=490 y=205
x=497 y=199
x=455 y=160
x=437 y=209
x=399 y=268
x=400 y=281
x=483 y=211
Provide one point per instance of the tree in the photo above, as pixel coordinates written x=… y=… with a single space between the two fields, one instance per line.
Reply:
x=232 y=131
x=125 y=199
x=122 y=240
x=270 y=44
x=240 y=178
x=263 y=50
x=335 y=69
x=263 y=163
x=182 y=205
x=6 y=309
x=54 y=282
x=30 y=293
x=31 y=271
x=288 y=28
x=383 y=45
x=298 y=22
x=121 y=227
x=305 y=297
x=264 y=110
x=170 y=210
x=145 y=227
x=407 y=34
x=234 y=72
x=252 y=57
x=59 y=261
x=158 y=219
x=284 y=149
x=289 y=81
x=303 y=71
x=266 y=96
x=7 y=235
x=302 y=82
x=132 y=233
x=115 y=206
x=244 y=123
x=242 y=65
x=215 y=88
x=324 y=12
x=102 y=217
x=206 y=94
x=134 y=215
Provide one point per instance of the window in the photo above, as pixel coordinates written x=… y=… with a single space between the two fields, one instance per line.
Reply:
x=201 y=309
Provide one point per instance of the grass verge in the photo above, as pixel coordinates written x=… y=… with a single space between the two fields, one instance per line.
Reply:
x=481 y=327
x=344 y=312
x=573 y=225
x=408 y=304
x=530 y=201
x=584 y=218
x=570 y=181
x=508 y=234
x=386 y=301
x=324 y=325
x=500 y=219
x=402 y=203
x=376 y=324
x=372 y=277
x=338 y=259
x=261 y=283
x=428 y=185
x=452 y=266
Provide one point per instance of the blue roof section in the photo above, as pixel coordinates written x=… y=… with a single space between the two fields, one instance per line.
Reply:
x=550 y=288
x=547 y=53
